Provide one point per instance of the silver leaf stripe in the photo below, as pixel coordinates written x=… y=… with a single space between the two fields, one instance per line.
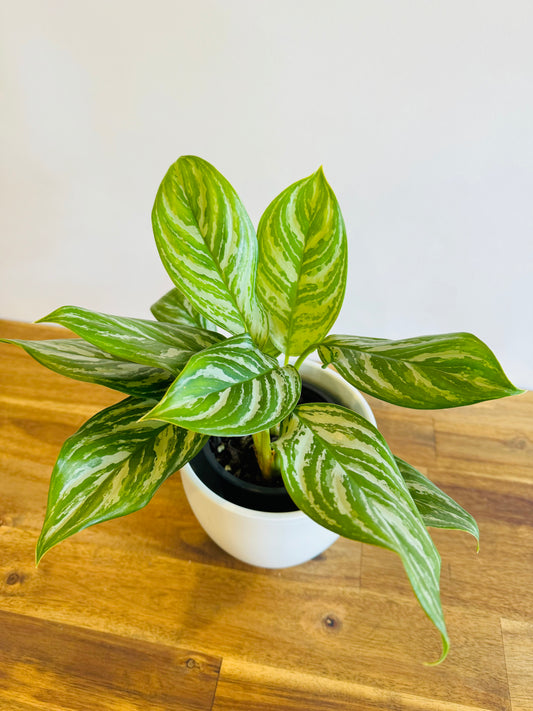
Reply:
x=77 y=359
x=230 y=389
x=174 y=307
x=302 y=263
x=427 y=372
x=166 y=345
x=436 y=508
x=339 y=470
x=208 y=246
x=111 y=467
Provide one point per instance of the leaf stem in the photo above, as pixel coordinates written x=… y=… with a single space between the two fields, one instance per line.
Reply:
x=263 y=452
x=303 y=356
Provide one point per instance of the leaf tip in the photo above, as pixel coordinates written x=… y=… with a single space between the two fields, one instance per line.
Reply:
x=477 y=541
x=320 y=176
x=40 y=549
x=445 y=650
x=147 y=416
x=474 y=531
x=49 y=317
x=153 y=414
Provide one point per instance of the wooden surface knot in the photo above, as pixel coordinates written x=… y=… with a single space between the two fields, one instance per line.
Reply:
x=332 y=623
x=14 y=578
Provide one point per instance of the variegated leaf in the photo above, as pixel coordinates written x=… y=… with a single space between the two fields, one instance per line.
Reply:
x=339 y=470
x=429 y=372
x=111 y=467
x=159 y=345
x=230 y=389
x=176 y=308
x=208 y=246
x=301 y=274
x=436 y=508
x=80 y=360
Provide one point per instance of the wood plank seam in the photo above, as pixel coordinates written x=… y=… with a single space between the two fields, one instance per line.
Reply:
x=506 y=666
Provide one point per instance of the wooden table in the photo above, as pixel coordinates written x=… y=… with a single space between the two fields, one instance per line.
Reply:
x=145 y=612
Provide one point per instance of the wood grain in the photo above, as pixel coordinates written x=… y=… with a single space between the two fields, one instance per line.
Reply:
x=518 y=645
x=342 y=631
x=57 y=667
x=242 y=687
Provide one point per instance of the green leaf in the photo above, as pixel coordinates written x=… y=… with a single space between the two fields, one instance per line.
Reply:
x=429 y=372
x=174 y=307
x=339 y=470
x=111 y=467
x=208 y=246
x=159 y=345
x=230 y=389
x=436 y=508
x=80 y=360
x=301 y=274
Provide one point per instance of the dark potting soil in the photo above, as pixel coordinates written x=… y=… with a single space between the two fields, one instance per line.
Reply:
x=237 y=454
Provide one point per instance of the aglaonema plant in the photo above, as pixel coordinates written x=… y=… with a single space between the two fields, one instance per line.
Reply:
x=223 y=358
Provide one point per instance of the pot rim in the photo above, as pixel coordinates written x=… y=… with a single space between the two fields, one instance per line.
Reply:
x=242 y=510
x=288 y=516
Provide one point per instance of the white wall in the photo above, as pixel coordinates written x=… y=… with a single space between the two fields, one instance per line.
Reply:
x=421 y=113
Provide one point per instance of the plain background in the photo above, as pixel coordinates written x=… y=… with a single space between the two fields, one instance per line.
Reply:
x=420 y=112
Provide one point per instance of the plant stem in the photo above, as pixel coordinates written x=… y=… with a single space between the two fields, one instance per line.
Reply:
x=263 y=452
x=303 y=356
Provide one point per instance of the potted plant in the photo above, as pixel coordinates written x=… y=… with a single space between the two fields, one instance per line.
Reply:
x=225 y=357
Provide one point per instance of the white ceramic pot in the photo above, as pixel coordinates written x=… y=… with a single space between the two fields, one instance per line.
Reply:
x=262 y=538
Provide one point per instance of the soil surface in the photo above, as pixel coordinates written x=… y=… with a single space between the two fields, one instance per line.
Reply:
x=237 y=456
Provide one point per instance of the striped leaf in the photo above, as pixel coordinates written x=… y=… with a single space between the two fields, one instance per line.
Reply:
x=111 y=467
x=80 y=360
x=339 y=470
x=429 y=372
x=301 y=274
x=230 y=389
x=436 y=508
x=208 y=246
x=155 y=344
x=176 y=308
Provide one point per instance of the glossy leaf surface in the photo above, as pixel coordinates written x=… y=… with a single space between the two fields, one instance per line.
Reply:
x=302 y=263
x=208 y=246
x=176 y=308
x=111 y=467
x=230 y=389
x=339 y=470
x=159 y=345
x=80 y=360
x=429 y=372
x=436 y=508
